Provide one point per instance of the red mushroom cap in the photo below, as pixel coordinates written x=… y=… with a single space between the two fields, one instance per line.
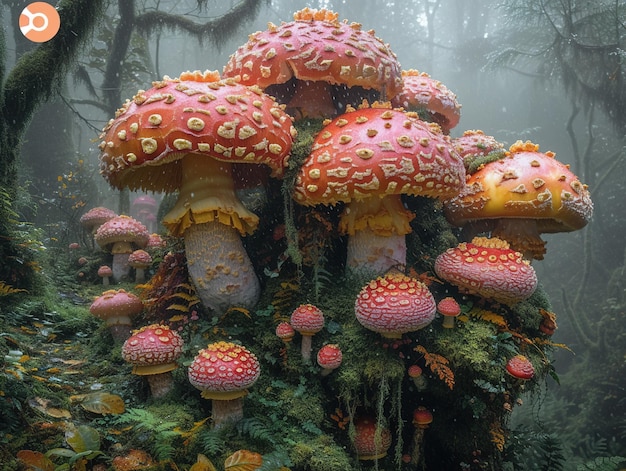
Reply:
x=284 y=331
x=116 y=307
x=105 y=271
x=520 y=367
x=122 y=229
x=224 y=371
x=475 y=142
x=95 y=217
x=307 y=319
x=139 y=259
x=200 y=114
x=370 y=442
x=155 y=241
x=488 y=268
x=153 y=349
x=422 y=417
x=329 y=356
x=523 y=195
x=317 y=47
x=421 y=92
x=414 y=371
x=378 y=151
x=395 y=304
x=448 y=306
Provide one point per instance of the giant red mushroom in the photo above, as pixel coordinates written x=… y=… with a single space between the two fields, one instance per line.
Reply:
x=317 y=65
x=153 y=351
x=186 y=134
x=117 y=308
x=367 y=158
x=395 y=304
x=430 y=98
x=521 y=196
x=489 y=268
x=223 y=372
x=121 y=236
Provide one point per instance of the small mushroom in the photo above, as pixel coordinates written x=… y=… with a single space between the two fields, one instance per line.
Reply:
x=422 y=418
x=117 y=308
x=371 y=439
x=449 y=308
x=520 y=368
x=307 y=320
x=329 y=357
x=285 y=332
x=416 y=374
x=105 y=273
x=140 y=260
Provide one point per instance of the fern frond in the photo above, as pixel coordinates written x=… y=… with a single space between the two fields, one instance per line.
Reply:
x=488 y=316
x=439 y=365
x=6 y=290
x=256 y=429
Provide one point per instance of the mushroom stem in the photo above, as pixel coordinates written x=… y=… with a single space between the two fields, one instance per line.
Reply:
x=522 y=235
x=211 y=219
x=120 y=266
x=418 y=439
x=311 y=99
x=160 y=384
x=226 y=411
x=306 y=346
x=376 y=227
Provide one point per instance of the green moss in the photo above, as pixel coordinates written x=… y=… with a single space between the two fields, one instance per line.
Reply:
x=321 y=454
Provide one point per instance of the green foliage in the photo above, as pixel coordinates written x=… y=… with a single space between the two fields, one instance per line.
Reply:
x=535 y=450
x=612 y=463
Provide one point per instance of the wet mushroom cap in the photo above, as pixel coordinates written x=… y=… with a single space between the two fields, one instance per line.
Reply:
x=378 y=151
x=224 y=371
x=395 y=304
x=421 y=92
x=526 y=184
x=317 y=47
x=121 y=229
x=520 y=367
x=97 y=216
x=152 y=349
x=307 y=319
x=139 y=259
x=115 y=305
x=329 y=356
x=487 y=267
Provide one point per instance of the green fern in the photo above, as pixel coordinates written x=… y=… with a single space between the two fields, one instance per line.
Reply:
x=256 y=429
x=212 y=442
x=612 y=463
x=274 y=461
x=161 y=432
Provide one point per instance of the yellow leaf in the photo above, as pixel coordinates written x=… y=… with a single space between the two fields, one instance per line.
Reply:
x=35 y=460
x=243 y=460
x=202 y=464
x=103 y=403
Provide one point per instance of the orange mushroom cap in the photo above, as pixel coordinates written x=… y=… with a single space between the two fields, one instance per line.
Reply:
x=422 y=417
x=317 y=47
x=421 y=92
x=395 y=304
x=152 y=349
x=521 y=196
x=488 y=268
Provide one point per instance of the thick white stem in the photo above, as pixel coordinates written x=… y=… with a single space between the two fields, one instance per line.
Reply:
x=373 y=255
x=120 y=267
x=220 y=268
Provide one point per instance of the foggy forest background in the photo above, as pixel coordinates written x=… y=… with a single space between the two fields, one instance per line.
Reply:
x=552 y=72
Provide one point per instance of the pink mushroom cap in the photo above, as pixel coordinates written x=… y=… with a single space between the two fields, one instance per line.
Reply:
x=121 y=229
x=224 y=371
x=284 y=331
x=395 y=304
x=140 y=259
x=488 y=268
x=105 y=271
x=95 y=217
x=448 y=306
x=307 y=319
x=116 y=307
x=153 y=349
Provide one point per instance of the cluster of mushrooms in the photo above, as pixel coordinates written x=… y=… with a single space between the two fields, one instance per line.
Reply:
x=384 y=133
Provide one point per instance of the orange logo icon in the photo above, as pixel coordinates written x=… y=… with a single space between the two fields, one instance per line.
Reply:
x=39 y=22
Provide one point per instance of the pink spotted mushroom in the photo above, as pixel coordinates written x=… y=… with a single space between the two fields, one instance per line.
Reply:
x=140 y=260
x=153 y=351
x=329 y=358
x=449 y=308
x=307 y=320
x=368 y=158
x=521 y=196
x=223 y=372
x=95 y=217
x=430 y=97
x=285 y=332
x=395 y=304
x=105 y=273
x=186 y=135
x=120 y=236
x=489 y=268
x=317 y=65
x=117 y=308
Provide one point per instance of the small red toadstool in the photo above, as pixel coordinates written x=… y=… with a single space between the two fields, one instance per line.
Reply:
x=140 y=260
x=120 y=236
x=285 y=332
x=222 y=372
x=520 y=367
x=416 y=374
x=488 y=268
x=105 y=273
x=308 y=320
x=329 y=357
x=153 y=351
x=422 y=418
x=395 y=304
x=371 y=439
x=449 y=308
x=116 y=308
